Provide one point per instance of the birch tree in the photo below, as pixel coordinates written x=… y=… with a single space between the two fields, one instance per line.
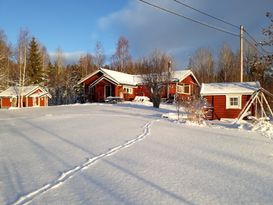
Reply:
x=86 y=64
x=202 y=64
x=228 y=67
x=45 y=62
x=121 y=58
x=22 y=63
x=99 y=57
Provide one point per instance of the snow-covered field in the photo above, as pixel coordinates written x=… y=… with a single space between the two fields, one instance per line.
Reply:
x=129 y=154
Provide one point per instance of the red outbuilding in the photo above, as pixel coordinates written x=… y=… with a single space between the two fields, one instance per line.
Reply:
x=104 y=83
x=226 y=100
x=32 y=96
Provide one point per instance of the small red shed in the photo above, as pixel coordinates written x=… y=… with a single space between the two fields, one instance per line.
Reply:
x=226 y=100
x=32 y=96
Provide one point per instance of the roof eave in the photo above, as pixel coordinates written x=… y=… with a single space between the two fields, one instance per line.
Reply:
x=88 y=76
x=235 y=93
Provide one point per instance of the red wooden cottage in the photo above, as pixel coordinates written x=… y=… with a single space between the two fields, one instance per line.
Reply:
x=183 y=83
x=104 y=83
x=226 y=100
x=32 y=96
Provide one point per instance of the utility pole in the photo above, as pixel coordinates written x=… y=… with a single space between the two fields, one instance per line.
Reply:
x=242 y=52
x=169 y=79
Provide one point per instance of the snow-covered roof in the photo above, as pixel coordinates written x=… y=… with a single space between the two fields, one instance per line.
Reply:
x=129 y=79
x=246 y=88
x=122 y=78
x=14 y=91
x=117 y=77
x=182 y=74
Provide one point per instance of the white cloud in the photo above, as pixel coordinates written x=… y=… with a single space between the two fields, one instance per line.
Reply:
x=68 y=57
x=148 y=28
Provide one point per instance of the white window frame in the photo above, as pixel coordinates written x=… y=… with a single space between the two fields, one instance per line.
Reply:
x=128 y=90
x=180 y=89
x=228 y=101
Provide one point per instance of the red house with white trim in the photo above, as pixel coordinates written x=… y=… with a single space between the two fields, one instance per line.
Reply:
x=183 y=83
x=104 y=83
x=33 y=96
x=226 y=100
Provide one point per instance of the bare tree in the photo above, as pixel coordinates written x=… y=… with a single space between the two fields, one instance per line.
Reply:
x=45 y=61
x=268 y=32
x=250 y=55
x=228 y=67
x=86 y=64
x=5 y=55
x=202 y=64
x=155 y=75
x=261 y=66
x=99 y=57
x=59 y=61
x=57 y=78
x=121 y=58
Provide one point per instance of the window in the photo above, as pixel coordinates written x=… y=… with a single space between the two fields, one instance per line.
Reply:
x=233 y=101
x=128 y=90
x=184 y=88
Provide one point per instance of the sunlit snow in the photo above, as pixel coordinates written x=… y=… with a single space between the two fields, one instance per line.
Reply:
x=129 y=154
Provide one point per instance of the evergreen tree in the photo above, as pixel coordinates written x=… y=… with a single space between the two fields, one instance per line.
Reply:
x=35 y=71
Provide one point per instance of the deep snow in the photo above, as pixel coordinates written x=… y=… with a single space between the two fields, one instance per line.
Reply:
x=128 y=154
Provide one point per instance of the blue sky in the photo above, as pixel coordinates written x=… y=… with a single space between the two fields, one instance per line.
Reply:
x=68 y=24
x=76 y=25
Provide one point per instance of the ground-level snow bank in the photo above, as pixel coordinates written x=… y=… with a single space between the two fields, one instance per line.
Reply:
x=261 y=126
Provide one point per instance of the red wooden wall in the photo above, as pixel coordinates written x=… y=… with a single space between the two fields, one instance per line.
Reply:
x=5 y=102
x=139 y=90
x=218 y=103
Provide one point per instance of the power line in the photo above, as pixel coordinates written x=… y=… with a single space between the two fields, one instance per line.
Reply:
x=253 y=46
x=223 y=21
x=204 y=13
x=256 y=43
x=190 y=19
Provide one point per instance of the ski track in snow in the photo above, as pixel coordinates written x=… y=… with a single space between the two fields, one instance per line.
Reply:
x=25 y=199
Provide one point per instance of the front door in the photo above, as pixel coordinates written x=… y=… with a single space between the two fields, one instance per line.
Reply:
x=108 y=91
x=92 y=94
x=34 y=101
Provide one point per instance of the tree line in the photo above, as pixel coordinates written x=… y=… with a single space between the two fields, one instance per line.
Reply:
x=28 y=63
x=225 y=67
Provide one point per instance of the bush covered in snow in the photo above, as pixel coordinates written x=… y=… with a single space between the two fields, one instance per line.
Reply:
x=193 y=108
x=141 y=99
x=264 y=126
